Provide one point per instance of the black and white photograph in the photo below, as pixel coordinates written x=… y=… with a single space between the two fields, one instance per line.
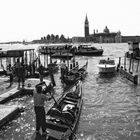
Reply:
x=70 y=70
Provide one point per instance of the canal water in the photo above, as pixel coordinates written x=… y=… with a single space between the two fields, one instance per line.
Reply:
x=111 y=104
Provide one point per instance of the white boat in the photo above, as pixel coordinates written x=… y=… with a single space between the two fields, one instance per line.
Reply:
x=106 y=66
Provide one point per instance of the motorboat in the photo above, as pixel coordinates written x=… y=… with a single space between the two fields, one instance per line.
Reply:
x=107 y=66
x=87 y=50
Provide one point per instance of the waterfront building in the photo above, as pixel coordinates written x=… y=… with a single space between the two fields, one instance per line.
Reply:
x=131 y=38
x=101 y=37
x=78 y=39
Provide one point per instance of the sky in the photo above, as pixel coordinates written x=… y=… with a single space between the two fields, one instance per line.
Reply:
x=32 y=19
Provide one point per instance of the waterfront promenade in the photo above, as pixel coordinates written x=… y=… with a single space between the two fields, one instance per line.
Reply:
x=8 y=112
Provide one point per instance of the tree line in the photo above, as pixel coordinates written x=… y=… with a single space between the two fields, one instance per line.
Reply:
x=53 y=39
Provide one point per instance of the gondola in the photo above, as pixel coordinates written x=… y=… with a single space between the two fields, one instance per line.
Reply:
x=63 y=117
x=74 y=75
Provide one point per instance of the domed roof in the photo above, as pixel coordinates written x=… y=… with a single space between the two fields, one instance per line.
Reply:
x=106 y=30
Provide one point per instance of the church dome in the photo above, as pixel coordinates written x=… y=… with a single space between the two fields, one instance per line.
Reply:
x=106 y=30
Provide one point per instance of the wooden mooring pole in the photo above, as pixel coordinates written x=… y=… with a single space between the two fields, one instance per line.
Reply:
x=137 y=66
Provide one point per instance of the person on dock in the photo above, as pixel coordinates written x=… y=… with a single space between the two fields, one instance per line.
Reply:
x=39 y=102
x=63 y=67
x=41 y=72
x=10 y=73
x=20 y=72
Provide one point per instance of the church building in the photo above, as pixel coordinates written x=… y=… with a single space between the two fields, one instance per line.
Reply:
x=101 y=37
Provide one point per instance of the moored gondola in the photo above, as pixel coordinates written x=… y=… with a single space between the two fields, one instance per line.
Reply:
x=74 y=75
x=62 y=118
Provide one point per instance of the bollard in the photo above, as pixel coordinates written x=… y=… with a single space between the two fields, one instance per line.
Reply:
x=136 y=79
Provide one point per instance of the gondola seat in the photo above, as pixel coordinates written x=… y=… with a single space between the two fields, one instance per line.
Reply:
x=69 y=116
x=55 y=112
x=73 y=95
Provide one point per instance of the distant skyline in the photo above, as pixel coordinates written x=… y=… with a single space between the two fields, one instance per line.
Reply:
x=32 y=19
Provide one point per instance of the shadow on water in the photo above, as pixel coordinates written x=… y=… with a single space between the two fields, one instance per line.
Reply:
x=107 y=75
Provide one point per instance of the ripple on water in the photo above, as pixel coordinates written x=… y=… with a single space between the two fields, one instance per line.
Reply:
x=111 y=107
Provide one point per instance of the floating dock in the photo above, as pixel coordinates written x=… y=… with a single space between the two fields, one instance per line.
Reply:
x=127 y=69
x=9 y=95
x=129 y=76
x=7 y=113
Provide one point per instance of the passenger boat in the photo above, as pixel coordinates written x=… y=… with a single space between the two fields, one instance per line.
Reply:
x=87 y=50
x=106 y=66
x=53 y=48
x=74 y=75
x=62 y=55
x=63 y=117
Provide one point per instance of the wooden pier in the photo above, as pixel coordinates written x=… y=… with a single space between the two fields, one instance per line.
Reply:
x=129 y=76
x=128 y=71
x=7 y=113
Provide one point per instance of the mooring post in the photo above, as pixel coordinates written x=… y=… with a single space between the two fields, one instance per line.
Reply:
x=44 y=60
x=130 y=65
x=137 y=66
x=119 y=64
x=124 y=62
x=136 y=79
x=47 y=60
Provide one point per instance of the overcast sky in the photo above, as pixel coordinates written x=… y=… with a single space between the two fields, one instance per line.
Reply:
x=33 y=19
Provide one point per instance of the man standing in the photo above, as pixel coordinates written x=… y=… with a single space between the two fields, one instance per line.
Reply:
x=20 y=72
x=41 y=72
x=10 y=73
x=39 y=101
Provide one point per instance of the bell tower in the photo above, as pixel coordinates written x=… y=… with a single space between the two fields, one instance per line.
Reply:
x=86 y=27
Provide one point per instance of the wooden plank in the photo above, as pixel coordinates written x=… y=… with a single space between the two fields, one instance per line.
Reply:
x=9 y=94
x=129 y=76
x=7 y=113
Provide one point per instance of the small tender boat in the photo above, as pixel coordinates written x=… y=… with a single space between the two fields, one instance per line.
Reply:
x=106 y=66
x=63 y=117
x=87 y=50
x=74 y=75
